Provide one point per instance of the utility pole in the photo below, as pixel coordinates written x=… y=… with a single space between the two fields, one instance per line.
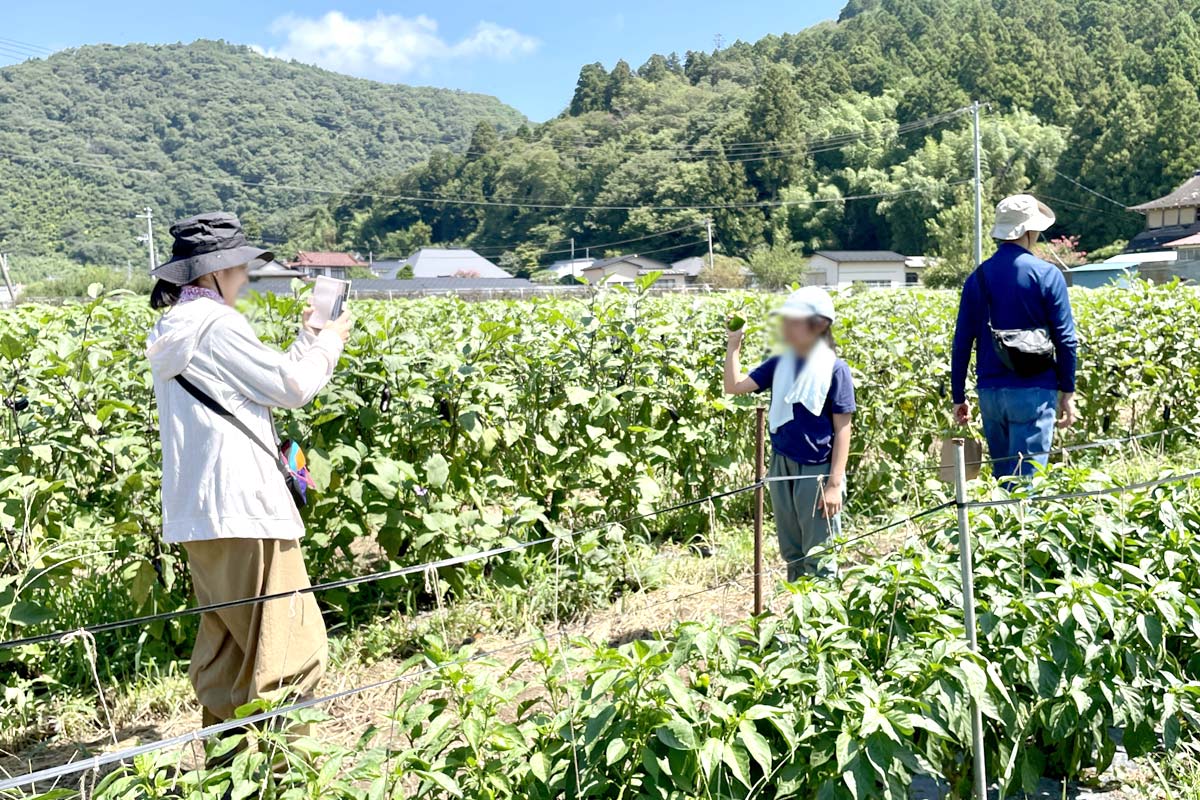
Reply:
x=572 y=248
x=708 y=224
x=978 y=188
x=12 y=293
x=148 y=237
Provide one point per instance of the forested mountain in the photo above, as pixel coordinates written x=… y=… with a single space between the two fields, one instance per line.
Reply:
x=1103 y=92
x=201 y=119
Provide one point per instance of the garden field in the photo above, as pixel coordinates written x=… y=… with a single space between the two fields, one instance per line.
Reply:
x=453 y=428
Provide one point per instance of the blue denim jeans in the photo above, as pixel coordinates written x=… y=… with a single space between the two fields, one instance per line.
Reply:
x=1017 y=422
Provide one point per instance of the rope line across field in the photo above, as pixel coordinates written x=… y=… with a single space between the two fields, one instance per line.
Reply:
x=107 y=627
x=102 y=760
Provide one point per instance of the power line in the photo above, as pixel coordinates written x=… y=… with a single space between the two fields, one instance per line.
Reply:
x=778 y=146
x=664 y=249
x=579 y=247
x=26 y=45
x=17 y=56
x=485 y=202
x=1064 y=176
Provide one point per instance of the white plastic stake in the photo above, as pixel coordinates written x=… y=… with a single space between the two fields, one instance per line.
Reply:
x=968 y=590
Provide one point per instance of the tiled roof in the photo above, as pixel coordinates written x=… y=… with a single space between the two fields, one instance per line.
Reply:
x=641 y=262
x=1187 y=241
x=304 y=259
x=690 y=266
x=1158 y=238
x=1185 y=196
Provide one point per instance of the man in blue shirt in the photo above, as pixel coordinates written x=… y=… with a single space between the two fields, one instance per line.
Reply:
x=1026 y=293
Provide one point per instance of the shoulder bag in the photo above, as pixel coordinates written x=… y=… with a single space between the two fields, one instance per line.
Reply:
x=1025 y=351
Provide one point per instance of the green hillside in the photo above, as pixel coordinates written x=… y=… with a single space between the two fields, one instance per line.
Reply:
x=1102 y=91
x=201 y=113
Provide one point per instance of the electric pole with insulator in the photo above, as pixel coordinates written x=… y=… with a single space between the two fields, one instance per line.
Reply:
x=148 y=236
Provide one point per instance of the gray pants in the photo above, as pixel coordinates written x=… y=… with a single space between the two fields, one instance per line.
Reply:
x=798 y=519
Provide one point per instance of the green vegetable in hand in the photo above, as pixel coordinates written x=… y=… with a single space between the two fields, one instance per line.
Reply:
x=736 y=323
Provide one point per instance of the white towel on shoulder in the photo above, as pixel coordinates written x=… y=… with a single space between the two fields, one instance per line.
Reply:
x=810 y=388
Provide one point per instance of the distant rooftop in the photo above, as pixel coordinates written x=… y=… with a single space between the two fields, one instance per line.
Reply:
x=1143 y=257
x=690 y=266
x=381 y=287
x=641 y=262
x=1106 y=266
x=1187 y=195
x=877 y=256
x=435 y=262
x=1187 y=241
x=325 y=259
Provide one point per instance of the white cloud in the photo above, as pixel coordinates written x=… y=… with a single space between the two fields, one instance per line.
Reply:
x=389 y=44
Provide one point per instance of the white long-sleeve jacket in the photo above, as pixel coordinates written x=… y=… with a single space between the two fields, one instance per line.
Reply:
x=216 y=482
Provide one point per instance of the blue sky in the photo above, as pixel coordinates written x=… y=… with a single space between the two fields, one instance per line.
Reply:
x=527 y=54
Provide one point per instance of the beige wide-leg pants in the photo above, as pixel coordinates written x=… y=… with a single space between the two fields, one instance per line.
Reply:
x=268 y=649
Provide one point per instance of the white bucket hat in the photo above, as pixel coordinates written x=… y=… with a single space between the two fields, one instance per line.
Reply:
x=1019 y=214
x=810 y=301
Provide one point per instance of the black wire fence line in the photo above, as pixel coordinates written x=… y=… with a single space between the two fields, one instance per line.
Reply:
x=1073 y=448
x=1083 y=493
x=1008 y=501
x=471 y=557
x=107 y=627
x=96 y=762
x=414 y=569
x=106 y=759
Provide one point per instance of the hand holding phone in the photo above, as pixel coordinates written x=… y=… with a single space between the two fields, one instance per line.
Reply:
x=328 y=299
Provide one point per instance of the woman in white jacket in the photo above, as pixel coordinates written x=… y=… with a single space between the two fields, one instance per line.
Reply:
x=223 y=497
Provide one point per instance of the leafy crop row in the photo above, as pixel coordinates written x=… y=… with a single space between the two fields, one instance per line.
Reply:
x=1089 y=631
x=454 y=426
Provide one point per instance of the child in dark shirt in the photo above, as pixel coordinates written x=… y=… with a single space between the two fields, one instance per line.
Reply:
x=812 y=401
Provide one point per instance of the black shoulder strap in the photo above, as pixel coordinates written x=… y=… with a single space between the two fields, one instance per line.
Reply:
x=208 y=402
x=987 y=295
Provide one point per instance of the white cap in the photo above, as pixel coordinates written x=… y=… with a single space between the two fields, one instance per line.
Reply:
x=1019 y=214
x=810 y=301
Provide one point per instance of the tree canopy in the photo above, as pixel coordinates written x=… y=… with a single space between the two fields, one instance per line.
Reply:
x=838 y=136
x=833 y=137
x=90 y=136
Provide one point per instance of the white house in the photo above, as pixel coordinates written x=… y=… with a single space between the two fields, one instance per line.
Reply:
x=874 y=268
x=626 y=269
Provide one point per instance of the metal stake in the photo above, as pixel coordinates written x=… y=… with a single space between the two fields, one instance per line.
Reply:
x=760 y=417
x=968 y=589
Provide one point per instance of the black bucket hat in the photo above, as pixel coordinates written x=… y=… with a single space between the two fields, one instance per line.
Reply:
x=209 y=243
